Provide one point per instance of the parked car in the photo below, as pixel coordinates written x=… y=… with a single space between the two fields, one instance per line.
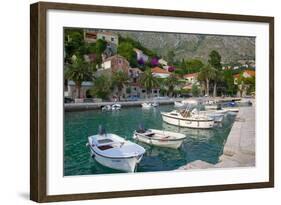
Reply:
x=186 y=95
x=88 y=100
x=68 y=100
x=133 y=98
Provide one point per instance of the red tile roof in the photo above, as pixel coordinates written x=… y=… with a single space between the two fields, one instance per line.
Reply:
x=251 y=72
x=159 y=70
x=190 y=75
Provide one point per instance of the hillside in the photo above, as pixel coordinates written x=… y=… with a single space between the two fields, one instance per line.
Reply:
x=231 y=48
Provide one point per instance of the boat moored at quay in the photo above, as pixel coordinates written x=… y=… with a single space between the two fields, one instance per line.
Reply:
x=185 y=119
x=160 y=138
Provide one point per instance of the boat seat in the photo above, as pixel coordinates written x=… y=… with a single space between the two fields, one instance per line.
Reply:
x=150 y=135
x=105 y=147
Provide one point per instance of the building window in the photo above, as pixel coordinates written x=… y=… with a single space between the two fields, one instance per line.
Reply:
x=143 y=91
x=112 y=39
x=103 y=37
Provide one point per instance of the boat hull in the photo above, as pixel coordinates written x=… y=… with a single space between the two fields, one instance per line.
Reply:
x=216 y=117
x=198 y=124
x=179 y=104
x=175 y=144
x=121 y=164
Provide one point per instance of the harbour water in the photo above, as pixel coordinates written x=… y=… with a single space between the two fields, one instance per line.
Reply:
x=206 y=145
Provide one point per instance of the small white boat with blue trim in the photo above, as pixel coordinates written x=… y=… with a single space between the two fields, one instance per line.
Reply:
x=146 y=105
x=160 y=138
x=116 y=107
x=113 y=151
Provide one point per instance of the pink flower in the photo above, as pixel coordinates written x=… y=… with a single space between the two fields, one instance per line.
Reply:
x=171 y=68
x=154 y=61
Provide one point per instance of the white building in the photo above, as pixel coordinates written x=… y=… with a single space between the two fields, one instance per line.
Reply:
x=160 y=73
x=141 y=55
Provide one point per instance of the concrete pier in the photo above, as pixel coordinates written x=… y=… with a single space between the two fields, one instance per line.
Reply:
x=97 y=105
x=93 y=106
x=239 y=149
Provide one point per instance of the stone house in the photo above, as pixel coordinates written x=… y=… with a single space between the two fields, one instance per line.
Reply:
x=71 y=91
x=242 y=87
x=191 y=78
x=115 y=63
x=91 y=36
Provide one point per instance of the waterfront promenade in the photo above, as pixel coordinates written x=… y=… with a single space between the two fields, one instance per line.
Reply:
x=97 y=105
x=239 y=149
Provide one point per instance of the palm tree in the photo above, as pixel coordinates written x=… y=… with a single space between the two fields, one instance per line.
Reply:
x=120 y=80
x=78 y=72
x=215 y=62
x=171 y=83
x=149 y=81
x=217 y=77
x=206 y=74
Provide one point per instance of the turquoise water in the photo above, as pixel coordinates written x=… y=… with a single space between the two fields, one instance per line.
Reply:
x=204 y=145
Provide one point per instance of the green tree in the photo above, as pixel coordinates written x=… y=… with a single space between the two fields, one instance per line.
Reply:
x=126 y=49
x=194 y=65
x=195 y=90
x=171 y=83
x=120 y=80
x=246 y=84
x=217 y=78
x=100 y=46
x=206 y=74
x=229 y=82
x=251 y=82
x=73 y=43
x=215 y=62
x=101 y=87
x=170 y=56
x=79 y=71
x=149 y=81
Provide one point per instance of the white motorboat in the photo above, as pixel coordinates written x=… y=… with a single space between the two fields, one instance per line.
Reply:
x=216 y=115
x=185 y=119
x=111 y=150
x=231 y=109
x=179 y=104
x=116 y=107
x=146 y=105
x=155 y=104
x=190 y=102
x=106 y=108
x=160 y=138
x=213 y=107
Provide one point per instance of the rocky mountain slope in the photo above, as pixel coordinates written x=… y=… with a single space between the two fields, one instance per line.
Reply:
x=231 y=48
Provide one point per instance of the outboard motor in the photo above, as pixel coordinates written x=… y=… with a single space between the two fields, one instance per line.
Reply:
x=101 y=130
x=141 y=129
